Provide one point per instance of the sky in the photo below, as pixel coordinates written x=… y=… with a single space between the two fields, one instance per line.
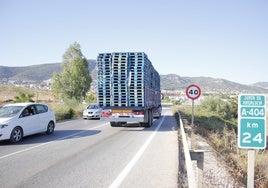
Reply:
x=225 y=39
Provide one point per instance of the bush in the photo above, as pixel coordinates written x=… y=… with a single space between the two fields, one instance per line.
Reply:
x=216 y=120
x=223 y=107
x=67 y=109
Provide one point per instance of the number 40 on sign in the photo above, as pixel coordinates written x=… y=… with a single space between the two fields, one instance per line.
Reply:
x=193 y=91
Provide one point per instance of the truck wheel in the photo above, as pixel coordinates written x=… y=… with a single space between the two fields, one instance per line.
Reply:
x=143 y=124
x=150 y=118
x=115 y=124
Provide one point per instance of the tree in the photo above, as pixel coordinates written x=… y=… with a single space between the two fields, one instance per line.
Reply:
x=75 y=79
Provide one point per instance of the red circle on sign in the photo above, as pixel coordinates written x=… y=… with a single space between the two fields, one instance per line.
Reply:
x=193 y=91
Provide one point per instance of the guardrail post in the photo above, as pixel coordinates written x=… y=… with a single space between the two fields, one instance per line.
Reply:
x=198 y=155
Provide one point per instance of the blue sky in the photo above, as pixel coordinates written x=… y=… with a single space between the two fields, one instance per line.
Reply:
x=213 y=38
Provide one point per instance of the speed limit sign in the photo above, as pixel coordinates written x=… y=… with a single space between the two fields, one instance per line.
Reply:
x=193 y=91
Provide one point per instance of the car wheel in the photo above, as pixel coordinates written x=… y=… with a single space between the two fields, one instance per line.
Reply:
x=16 y=135
x=50 y=127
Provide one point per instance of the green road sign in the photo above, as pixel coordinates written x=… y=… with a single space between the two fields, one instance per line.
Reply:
x=252 y=121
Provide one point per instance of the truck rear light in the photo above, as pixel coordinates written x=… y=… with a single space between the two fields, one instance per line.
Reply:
x=106 y=114
x=138 y=113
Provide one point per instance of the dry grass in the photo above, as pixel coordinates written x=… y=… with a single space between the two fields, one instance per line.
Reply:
x=65 y=110
x=224 y=141
x=8 y=92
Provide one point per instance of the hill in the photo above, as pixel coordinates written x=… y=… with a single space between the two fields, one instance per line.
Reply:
x=208 y=84
x=262 y=84
x=33 y=74
x=39 y=73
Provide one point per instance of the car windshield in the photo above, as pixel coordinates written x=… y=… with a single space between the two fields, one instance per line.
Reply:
x=9 y=111
x=92 y=107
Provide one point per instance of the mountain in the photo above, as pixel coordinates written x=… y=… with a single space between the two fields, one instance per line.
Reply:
x=38 y=73
x=34 y=73
x=261 y=84
x=208 y=84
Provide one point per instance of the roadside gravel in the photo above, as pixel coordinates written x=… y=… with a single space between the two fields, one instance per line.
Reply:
x=215 y=172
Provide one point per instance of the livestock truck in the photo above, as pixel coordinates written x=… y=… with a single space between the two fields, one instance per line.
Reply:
x=128 y=88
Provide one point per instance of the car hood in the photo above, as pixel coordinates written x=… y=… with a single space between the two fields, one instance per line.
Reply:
x=5 y=120
x=90 y=110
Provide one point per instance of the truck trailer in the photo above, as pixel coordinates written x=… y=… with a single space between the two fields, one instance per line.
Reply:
x=128 y=88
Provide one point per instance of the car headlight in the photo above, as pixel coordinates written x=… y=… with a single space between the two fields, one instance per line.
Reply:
x=3 y=126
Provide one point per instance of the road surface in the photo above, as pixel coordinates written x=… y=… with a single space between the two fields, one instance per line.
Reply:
x=91 y=153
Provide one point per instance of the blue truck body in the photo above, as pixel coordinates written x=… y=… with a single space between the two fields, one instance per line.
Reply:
x=128 y=88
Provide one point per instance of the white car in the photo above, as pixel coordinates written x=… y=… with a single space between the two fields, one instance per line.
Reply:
x=22 y=119
x=93 y=111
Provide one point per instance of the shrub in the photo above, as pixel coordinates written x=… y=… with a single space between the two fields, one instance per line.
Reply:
x=216 y=120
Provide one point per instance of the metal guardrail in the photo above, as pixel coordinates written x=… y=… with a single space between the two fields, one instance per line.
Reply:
x=188 y=161
x=189 y=156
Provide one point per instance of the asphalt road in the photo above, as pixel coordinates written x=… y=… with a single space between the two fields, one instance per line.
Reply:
x=90 y=153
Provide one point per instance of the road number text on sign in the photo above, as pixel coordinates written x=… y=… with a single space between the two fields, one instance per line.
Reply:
x=193 y=91
x=252 y=121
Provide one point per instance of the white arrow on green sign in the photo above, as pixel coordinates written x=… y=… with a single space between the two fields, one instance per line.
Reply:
x=252 y=121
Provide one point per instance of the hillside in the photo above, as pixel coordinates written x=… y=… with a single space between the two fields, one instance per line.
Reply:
x=208 y=84
x=34 y=73
x=262 y=84
x=39 y=73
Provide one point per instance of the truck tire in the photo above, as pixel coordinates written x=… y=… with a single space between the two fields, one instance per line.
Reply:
x=149 y=123
x=113 y=124
x=116 y=124
x=150 y=118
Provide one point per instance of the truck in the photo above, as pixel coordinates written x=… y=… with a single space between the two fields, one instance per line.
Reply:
x=128 y=88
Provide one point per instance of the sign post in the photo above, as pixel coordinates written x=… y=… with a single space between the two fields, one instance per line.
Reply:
x=193 y=92
x=251 y=128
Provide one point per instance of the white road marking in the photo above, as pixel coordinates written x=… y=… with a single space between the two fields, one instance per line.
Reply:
x=116 y=183
x=37 y=146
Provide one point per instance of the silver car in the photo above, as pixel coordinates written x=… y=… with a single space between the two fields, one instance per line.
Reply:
x=93 y=111
x=22 y=119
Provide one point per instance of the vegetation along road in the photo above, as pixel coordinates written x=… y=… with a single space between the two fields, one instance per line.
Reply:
x=90 y=153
